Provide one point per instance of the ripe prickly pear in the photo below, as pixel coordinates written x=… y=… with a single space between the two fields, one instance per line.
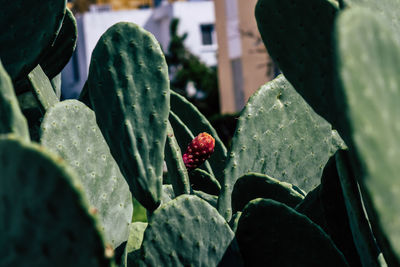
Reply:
x=198 y=151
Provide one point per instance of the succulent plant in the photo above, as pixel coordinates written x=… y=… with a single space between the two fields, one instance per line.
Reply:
x=310 y=178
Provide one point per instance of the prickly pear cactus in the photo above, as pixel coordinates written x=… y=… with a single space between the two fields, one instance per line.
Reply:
x=128 y=88
x=192 y=118
x=185 y=231
x=11 y=118
x=29 y=30
x=254 y=185
x=177 y=172
x=70 y=130
x=302 y=47
x=45 y=215
x=367 y=48
x=278 y=134
x=269 y=231
x=61 y=50
x=42 y=89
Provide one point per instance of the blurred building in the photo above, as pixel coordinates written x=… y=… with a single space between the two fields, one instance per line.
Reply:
x=197 y=18
x=82 y=6
x=243 y=62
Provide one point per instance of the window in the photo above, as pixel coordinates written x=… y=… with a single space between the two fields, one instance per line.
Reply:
x=207 y=34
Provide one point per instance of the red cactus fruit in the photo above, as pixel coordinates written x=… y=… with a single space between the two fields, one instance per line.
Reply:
x=198 y=151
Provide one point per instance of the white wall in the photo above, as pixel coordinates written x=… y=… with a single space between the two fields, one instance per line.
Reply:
x=191 y=16
x=95 y=24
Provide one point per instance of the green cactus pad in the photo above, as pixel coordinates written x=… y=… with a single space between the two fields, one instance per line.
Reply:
x=168 y=193
x=298 y=36
x=61 y=51
x=203 y=181
x=29 y=31
x=177 y=172
x=70 y=130
x=255 y=185
x=185 y=231
x=359 y=224
x=388 y=10
x=43 y=211
x=42 y=89
x=210 y=199
x=129 y=92
x=270 y=233
x=30 y=109
x=132 y=252
x=56 y=83
x=326 y=207
x=368 y=58
x=311 y=206
x=197 y=123
x=184 y=136
x=11 y=118
x=280 y=135
x=235 y=221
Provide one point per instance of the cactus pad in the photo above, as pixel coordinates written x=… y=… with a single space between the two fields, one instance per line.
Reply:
x=128 y=88
x=70 y=130
x=134 y=243
x=42 y=89
x=30 y=32
x=177 y=172
x=254 y=185
x=298 y=36
x=368 y=58
x=185 y=231
x=44 y=213
x=61 y=51
x=272 y=234
x=280 y=135
x=11 y=118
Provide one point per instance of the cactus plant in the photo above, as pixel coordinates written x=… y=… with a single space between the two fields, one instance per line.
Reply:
x=61 y=50
x=11 y=119
x=70 y=130
x=196 y=234
x=269 y=231
x=254 y=185
x=278 y=134
x=131 y=102
x=371 y=116
x=42 y=201
x=88 y=161
x=28 y=38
